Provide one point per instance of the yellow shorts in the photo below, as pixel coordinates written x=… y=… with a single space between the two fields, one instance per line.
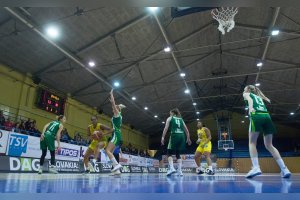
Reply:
x=95 y=143
x=206 y=148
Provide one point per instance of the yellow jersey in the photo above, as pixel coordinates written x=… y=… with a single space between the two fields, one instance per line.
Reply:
x=92 y=129
x=95 y=143
x=202 y=135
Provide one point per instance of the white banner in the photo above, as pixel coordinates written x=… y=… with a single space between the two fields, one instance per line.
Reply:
x=28 y=146
x=3 y=140
x=187 y=161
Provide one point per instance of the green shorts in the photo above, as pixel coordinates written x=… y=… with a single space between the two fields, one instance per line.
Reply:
x=262 y=123
x=48 y=142
x=177 y=142
x=116 y=138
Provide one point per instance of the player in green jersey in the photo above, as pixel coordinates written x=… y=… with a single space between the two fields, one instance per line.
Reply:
x=117 y=136
x=179 y=137
x=260 y=121
x=51 y=132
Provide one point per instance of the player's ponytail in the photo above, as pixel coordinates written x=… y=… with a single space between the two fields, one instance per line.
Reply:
x=121 y=106
x=176 y=112
x=60 y=117
x=258 y=92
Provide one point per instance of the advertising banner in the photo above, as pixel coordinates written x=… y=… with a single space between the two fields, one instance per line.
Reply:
x=28 y=146
x=66 y=166
x=4 y=163
x=125 y=169
x=153 y=169
x=135 y=169
x=25 y=164
x=4 y=135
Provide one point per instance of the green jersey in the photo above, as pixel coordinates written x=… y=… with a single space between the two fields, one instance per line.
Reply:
x=176 y=125
x=258 y=103
x=117 y=122
x=53 y=128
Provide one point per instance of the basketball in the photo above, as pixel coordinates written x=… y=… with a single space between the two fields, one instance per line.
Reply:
x=97 y=135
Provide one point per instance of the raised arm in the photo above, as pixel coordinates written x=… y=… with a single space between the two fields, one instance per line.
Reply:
x=165 y=131
x=113 y=104
x=250 y=102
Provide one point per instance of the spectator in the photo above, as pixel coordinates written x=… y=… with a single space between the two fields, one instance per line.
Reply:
x=2 y=119
x=64 y=136
x=17 y=129
x=27 y=124
x=8 y=125
x=67 y=134
x=22 y=125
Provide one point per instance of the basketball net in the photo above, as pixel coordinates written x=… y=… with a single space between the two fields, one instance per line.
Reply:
x=225 y=17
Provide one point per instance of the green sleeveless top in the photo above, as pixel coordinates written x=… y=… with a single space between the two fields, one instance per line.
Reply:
x=53 y=128
x=176 y=125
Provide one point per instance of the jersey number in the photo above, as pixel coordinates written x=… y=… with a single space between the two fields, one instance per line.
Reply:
x=259 y=101
x=52 y=126
x=177 y=121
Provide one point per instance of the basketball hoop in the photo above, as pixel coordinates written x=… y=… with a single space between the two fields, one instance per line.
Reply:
x=224 y=134
x=225 y=17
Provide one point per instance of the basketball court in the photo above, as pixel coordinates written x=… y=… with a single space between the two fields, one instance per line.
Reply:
x=134 y=70
x=146 y=183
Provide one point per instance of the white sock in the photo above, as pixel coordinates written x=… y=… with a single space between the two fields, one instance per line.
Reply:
x=179 y=161
x=281 y=164
x=255 y=162
x=94 y=160
x=210 y=167
x=114 y=162
x=170 y=160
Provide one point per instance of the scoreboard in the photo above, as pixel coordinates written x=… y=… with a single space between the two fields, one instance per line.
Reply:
x=50 y=102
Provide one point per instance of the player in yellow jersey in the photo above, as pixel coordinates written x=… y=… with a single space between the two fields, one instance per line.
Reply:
x=204 y=148
x=95 y=145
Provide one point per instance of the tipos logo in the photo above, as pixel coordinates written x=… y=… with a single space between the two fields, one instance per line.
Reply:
x=23 y=164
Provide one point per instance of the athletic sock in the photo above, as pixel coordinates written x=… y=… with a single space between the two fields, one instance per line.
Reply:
x=210 y=168
x=114 y=162
x=170 y=160
x=179 y=161
x=281 y=164
x=255 y=162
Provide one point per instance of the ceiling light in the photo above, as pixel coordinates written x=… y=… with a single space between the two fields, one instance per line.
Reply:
x=153 y=9
x=133 y=98
x=198 y=119
x=163 y=122
x=259 y=64
x=187 y=91
x=146 y=108
x=275 y=32
x=182 y=74
x=257 y=84
x=194 y=103
x=92 y=64
x=197 y=112
x=246 y=116
x=116 y=84
x=243 y=121
x=292 y=113
x=155 y=116
x=52 y=31
x=167 y=49
x=246 y=108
